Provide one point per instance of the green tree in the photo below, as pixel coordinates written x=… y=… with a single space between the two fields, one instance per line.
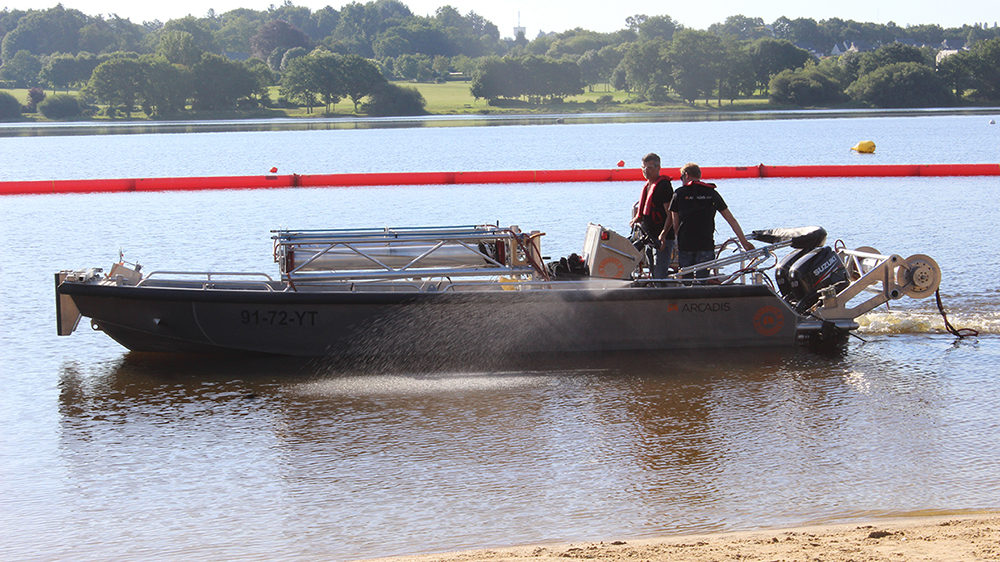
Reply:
x=299 y=84
x=322 y=22
x=391 y=99
x=361 y=78
x=22 y=69
x=795 y=30
x=413 y=67
x=179 y=47
x=770 y=56
x=290 y=55
x=591 y=65
x=611 y=57
x=359 y=24
x=391 y=45
x=930 y=34
x=297 y=16
x=741 y=27
x=119 y=82
x=985 y=63
x=850 y=62
x=56 y=30
x=496 y=77
x=201 y=33
x=539 y=79
x=904 y=84
x=440 y=65
x=695 y=59
x=168 y=86
x=59 y=71
x=575 y=42
x=238 y=26
x=263 y=80
x=414 y=35
x=327 y=71
x=619 y=78
x=61 y=106
x=889 y=54
x=958 y=72
x=219 y=83
x=645 y=64
x=806 y=87
x=277 y=34
x=565 y=79
x=97 y=37
x=10 y=108
x=736 y=77
x=657 y=27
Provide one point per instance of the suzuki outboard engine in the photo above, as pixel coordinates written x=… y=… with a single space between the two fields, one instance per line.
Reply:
x=803 y=273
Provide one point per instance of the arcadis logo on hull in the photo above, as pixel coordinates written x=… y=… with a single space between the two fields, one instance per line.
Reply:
x=699 y=307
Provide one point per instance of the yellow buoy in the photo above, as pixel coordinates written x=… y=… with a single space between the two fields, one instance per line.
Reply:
x=865 y=147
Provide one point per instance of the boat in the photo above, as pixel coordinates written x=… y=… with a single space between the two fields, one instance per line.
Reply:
x=484 y=291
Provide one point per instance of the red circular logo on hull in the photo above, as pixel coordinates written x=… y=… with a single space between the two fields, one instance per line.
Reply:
x=768 y=320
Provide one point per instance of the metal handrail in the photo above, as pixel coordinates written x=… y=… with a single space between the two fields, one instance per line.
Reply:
x=762 y=253
x=410 y=274
x=208 y=275
x=593 y=283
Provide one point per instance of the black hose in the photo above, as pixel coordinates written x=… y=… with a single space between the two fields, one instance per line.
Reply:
x=959 y=333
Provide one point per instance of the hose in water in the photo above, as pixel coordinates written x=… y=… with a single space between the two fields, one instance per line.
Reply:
x=959 y=333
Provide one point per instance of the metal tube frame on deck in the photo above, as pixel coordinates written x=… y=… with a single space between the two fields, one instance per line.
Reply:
x=353 y=240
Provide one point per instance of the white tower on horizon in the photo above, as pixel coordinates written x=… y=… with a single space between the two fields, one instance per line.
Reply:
x=519 y=29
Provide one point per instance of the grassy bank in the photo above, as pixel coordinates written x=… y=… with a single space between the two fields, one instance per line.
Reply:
x=453 y=98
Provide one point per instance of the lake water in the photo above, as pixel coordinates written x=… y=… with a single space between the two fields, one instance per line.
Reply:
x=106 y=454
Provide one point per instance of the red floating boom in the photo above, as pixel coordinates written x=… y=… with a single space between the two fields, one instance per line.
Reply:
x=486 y=177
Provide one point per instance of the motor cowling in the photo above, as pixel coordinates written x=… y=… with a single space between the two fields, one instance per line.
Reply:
x=803 y=274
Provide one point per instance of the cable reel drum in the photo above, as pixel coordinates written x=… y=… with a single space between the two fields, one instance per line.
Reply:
x=921 y=276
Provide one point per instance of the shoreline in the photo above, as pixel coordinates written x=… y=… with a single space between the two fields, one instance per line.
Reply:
x=962 y=537
x=285 y=123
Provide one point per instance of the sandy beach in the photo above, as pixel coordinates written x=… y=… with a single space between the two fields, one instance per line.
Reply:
x=943 y=538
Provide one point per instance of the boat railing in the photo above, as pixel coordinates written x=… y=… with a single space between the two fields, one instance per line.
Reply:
x=316 y=256
x=748 y=260
x=207 y=279
x=518 y=285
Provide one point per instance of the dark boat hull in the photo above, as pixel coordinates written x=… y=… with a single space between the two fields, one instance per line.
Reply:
x=449 y=324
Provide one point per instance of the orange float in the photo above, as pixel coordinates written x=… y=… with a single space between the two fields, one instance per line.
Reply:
x=481 y=177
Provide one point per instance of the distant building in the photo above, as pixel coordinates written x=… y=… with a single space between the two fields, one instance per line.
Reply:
x=943 y=54
x=851 y=46
x=520 y=30
x=810 y=48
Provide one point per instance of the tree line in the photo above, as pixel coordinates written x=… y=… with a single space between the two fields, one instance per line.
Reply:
x=652 y=57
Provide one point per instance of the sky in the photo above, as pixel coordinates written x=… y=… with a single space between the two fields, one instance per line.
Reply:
x=594 y=15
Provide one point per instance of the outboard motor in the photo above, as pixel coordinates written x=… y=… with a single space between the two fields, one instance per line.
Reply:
x=812 y=267
x=784 y=281
x=812 y=271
